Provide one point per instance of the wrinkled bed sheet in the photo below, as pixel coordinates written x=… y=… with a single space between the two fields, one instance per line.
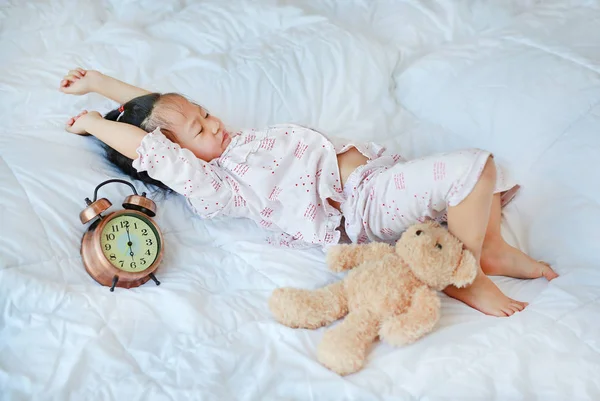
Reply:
x=520 y=78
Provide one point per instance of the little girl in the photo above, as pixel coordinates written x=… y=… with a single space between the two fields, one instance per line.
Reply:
x=298 y=184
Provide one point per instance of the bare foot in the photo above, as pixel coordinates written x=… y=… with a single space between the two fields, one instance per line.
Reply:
x=500 y=259
x=484 y=296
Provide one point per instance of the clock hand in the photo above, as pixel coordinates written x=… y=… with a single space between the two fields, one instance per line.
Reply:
x=129 y=242
x=128 y=237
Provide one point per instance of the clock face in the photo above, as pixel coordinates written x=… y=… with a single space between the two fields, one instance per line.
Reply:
x=130 y=242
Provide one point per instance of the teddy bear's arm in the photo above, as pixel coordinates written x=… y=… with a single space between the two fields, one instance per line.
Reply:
x=345 y=257
x=420 y=318
x=309 y=309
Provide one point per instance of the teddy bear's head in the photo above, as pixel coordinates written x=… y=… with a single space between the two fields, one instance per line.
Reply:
x=436 y=257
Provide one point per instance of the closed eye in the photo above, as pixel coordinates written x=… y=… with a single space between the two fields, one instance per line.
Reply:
x=201 y=128
x=205 y=117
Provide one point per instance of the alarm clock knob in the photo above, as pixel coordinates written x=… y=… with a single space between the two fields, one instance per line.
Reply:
x=94 y=209
x=140 y=203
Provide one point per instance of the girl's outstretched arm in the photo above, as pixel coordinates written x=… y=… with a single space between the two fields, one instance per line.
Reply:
x=124 y=138
x=179 y=167
x=81 y=82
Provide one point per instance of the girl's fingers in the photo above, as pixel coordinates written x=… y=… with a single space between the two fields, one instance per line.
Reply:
x=72 y=120
x=76 y=73
x=65 y=83
x=72 y=76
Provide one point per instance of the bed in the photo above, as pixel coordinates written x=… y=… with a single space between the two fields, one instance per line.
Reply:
x=520 y=78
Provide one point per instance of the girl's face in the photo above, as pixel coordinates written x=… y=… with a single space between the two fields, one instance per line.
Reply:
x=194 y=128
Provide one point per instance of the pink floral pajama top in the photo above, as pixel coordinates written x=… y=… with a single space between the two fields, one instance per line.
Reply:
x=280 y=177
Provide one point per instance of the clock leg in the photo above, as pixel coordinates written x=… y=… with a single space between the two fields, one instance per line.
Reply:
x=153 y=277
x=114 y=283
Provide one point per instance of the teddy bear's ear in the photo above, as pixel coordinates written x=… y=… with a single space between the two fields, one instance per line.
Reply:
x=466 y=271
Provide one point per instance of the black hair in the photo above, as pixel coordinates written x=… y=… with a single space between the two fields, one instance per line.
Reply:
x=136 y=112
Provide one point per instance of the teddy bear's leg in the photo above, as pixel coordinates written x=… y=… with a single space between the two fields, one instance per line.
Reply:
x=421 y=317
x=346 y=256
x=309 y=309
x=344 y=347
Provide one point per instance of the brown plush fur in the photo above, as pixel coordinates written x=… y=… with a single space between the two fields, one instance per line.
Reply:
x=390 y=294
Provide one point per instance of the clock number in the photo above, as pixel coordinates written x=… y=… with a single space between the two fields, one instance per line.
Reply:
x=112 y=242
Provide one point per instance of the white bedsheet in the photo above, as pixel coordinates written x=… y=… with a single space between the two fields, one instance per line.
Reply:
x=520 y=78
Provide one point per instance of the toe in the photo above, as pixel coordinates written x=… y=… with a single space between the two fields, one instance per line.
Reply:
x=508 y=311
x=522 y=305
x=547 y=271
x=517 y=307
x=501 y=311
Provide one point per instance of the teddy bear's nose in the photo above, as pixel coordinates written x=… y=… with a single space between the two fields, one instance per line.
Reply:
x=419 y=232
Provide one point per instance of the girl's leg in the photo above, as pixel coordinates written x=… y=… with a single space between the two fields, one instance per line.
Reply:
x=500 y=259
x=468 y=221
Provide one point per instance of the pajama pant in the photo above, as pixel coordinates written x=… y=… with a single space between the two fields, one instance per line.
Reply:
x=389 y=194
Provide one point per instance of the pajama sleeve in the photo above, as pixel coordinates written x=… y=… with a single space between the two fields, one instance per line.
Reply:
x=201 y=182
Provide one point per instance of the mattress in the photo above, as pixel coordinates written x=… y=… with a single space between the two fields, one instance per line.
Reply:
x=519 y=78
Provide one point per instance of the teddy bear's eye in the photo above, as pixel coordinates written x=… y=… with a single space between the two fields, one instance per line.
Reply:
x=438 y=246
x=419 y=232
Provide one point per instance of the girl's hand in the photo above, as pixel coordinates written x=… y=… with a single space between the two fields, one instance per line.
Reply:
x=79 y=81
x=77 y=124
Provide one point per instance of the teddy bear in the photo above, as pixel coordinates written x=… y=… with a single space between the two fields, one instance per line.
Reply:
x=390 y=293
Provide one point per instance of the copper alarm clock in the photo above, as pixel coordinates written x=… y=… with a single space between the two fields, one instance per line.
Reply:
x=122 y=248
